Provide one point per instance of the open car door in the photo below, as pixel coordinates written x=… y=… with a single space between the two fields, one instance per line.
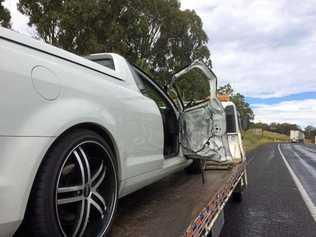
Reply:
x=202 y=116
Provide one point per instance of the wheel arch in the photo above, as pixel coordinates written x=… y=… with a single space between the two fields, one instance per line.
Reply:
x=106 y=135
x=100 y=130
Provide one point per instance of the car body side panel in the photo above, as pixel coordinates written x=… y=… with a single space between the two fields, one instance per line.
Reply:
x=133 y=120
x=170 y=166
x=19 y=159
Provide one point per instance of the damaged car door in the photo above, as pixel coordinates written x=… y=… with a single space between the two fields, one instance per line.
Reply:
x=202 y=116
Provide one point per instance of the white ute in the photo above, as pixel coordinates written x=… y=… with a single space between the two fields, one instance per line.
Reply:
x=76 y=135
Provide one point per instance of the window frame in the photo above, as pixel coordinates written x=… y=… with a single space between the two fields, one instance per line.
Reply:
x=156 y=87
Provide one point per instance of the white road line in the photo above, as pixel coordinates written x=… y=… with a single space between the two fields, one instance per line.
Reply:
x=308 y=167
x=311 y=207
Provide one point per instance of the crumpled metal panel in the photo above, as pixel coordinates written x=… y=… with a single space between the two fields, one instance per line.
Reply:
x=202 y=135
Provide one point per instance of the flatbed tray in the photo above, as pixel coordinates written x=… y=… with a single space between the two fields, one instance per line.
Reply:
x=178 y=205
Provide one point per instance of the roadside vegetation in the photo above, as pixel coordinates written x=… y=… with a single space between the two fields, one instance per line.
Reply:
x=283 y=128
x=252 y=140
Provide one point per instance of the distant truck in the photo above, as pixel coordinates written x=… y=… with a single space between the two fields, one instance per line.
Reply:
x=297 y=136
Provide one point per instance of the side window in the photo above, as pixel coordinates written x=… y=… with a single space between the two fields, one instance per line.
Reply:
x=106 y=62
x=230 y=119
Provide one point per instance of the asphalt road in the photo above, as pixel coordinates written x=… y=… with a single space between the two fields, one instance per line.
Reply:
x=273 y=204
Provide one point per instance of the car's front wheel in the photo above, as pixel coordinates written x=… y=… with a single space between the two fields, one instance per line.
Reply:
x=76 y=188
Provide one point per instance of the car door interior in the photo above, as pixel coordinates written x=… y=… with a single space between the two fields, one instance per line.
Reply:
x=202 y=120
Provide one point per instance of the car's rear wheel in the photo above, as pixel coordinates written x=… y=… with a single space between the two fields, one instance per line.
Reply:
x=75 y=191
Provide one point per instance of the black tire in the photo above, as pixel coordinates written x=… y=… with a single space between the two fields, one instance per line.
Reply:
x=49 y=214
x=237 y=197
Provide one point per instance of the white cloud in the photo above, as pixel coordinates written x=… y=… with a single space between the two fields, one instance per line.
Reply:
x=300 y=112
x=18 y=20
x=264 y=48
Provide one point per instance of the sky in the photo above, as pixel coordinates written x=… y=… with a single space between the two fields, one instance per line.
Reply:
x=265 y=49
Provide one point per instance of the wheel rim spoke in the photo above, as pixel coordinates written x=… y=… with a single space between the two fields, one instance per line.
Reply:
x=63 y=201
x=84 y=164
x=70 y=189
x=80 y=218
x=85 y=218
x=87 y=164
x=100 y=198
x=82 y=171
x=97 y=206
x=97 y=197
x=97 y=173
x=98 y=183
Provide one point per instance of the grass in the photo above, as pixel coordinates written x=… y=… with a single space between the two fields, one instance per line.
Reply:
x=252 y=141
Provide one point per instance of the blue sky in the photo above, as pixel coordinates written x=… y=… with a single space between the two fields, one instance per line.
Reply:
x=276 y=100
x=265 y=49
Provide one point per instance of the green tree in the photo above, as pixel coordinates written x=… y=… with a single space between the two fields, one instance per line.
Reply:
x=261 y=125
x=239 y=100
x=225 y=90
x=283 y=128
x=4 y=16
x=156 y=33
x=182 y=41
x=310 y=132
x=243 y=107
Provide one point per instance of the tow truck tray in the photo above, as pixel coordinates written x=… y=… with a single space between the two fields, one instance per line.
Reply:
x=178 y=205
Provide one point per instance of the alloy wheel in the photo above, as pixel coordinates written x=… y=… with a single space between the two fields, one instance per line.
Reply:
x=86 y=191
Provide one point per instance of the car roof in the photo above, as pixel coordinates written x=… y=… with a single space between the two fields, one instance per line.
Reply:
x=39 y=45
